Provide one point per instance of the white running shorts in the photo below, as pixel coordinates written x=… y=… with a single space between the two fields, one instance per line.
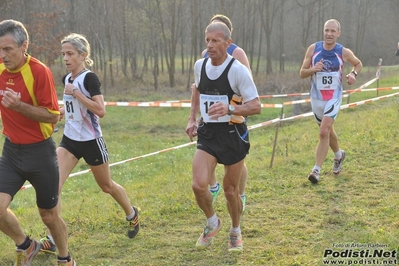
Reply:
x=328 y=108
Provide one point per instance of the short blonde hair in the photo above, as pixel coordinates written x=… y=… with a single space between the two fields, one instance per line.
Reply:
x=335 y=21
x=224 y=19
x=81 y=44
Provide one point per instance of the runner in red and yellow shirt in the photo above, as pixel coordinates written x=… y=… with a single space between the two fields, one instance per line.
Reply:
x=34 y=85
x=29 y=110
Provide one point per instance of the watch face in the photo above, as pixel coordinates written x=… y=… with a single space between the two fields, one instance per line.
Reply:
x=231 y=109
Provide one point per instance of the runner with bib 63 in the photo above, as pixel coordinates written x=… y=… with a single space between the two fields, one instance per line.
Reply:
x=324 y=63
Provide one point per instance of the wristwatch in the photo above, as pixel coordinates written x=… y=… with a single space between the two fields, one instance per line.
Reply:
x=354 y=72
x=73 y=91
x=231 y=109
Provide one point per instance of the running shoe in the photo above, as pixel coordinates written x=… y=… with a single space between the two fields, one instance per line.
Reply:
x=235 y=242
x=244 y=201
x=25 y=257
x=72 y=262
x=133 y=224
x=314 y=176
x=337 y=167
x=216 y=193
x=47 y=246
x=207 y=236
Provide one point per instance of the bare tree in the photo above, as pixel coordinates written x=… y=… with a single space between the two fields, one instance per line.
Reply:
x=268 y=9
x=170 y=24
x=365 y=10
x=194 y=14
x=151 y=27
x=136 y=41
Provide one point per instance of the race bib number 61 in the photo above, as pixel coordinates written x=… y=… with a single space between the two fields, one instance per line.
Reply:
x=71 y=106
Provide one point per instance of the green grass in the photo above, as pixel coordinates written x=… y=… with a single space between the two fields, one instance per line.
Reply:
x=288 y=221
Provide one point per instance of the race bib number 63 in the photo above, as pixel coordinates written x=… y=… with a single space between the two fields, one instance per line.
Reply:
x=327 y=80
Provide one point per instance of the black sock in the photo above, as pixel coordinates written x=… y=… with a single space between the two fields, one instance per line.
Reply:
x=26 y=244
x=67 y=258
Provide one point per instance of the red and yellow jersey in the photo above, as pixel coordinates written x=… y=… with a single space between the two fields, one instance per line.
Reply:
x=34 y=83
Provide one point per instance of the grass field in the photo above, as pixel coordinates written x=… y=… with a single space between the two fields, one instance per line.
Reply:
x=288 y=221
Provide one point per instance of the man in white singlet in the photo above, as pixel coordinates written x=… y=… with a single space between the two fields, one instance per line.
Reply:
x=225 y=95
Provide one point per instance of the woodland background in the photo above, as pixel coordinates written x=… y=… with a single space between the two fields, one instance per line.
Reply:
x=151 y=45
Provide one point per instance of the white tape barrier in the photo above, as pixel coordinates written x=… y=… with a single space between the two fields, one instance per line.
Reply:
x=270 y=122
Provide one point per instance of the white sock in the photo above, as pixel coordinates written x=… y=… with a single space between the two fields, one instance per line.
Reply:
x=213 y=221
x=235 y=230
x=131 y=215
x=51 y=239
x=338 y=154
x=215 y=187
x=318 y=168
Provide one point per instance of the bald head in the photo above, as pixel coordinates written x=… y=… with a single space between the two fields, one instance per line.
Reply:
x=336 y=22
x=219 y=27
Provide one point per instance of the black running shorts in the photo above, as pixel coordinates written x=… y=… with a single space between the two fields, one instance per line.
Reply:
x=229 y=144
x=36 y=163
x=94 y=152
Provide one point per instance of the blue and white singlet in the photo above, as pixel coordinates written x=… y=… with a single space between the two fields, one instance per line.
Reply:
x=327 y=84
